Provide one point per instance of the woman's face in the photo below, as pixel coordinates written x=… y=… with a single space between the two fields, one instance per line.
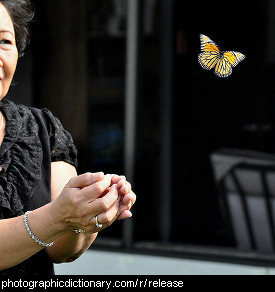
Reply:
x=8 y=51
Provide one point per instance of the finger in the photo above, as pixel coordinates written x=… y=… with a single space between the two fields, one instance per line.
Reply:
x=98 y=206
x=105 y=219
x=124 y=215
x=98 y=188
x=85 y=179
x=129 y=200
x=124 y=187
x=102 y=204
x=116 y=178
x=108 y=217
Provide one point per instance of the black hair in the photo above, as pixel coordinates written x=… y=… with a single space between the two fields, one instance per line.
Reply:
x=21 y=13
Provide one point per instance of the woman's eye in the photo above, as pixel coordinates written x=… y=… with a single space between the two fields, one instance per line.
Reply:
x=5 y=42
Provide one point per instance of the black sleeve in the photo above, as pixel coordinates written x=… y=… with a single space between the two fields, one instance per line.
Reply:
x=61 y=143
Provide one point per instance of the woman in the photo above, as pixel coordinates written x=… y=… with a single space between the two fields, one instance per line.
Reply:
x=48 y=213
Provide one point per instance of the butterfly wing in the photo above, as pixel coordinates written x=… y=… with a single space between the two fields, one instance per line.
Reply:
x=228 y=60
x=210 y=53
x=208 y=60
x=207 y=45
x=234 y=57
x=223 y=67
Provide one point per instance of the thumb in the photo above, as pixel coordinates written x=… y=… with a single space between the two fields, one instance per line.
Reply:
x=84 y=180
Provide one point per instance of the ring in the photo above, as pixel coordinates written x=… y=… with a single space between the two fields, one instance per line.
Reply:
x=98 y=225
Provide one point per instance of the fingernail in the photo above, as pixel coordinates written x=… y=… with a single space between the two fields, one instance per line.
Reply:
x=108 y=175
x=99 y=173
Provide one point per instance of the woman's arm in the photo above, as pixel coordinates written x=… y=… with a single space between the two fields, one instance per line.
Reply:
x=16 y=245
x=83 y=197
x=77 y=205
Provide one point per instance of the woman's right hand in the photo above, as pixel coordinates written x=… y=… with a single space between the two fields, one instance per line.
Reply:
x=84 y=197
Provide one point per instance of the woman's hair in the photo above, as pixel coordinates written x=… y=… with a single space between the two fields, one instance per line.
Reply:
x=21 y=13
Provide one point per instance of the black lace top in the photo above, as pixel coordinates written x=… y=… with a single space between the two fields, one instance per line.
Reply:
x=34 y=138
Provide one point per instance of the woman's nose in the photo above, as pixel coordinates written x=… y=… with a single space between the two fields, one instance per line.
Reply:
x=1 y=63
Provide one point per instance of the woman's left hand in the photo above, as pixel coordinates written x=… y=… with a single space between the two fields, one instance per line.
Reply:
x=128 y=197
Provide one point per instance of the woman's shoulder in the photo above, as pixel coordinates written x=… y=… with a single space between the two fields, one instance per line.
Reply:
x=61 y=142
x=42 y=117
x=25 y=112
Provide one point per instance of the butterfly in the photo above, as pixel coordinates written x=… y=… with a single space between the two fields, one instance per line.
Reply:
x=212 y=57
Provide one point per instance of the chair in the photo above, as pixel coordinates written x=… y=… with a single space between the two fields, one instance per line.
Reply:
x=246 y=184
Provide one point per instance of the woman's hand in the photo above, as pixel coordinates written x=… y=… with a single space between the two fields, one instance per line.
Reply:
x=127 y=198
x=86 y=196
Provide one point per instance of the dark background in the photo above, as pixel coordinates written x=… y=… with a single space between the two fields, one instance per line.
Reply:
x=76 y=68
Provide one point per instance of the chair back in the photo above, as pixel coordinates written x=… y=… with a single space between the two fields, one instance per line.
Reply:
x=246 y=184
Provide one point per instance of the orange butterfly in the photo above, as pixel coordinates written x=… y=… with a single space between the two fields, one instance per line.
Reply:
x=212 y=57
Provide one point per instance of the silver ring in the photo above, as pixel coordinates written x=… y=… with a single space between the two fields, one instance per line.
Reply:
x=98 y=225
